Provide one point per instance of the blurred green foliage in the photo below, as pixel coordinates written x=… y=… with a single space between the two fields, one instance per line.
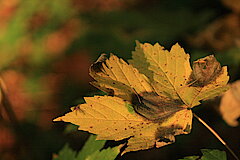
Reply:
x=19 y=29
x=90 y=151
x=208 y=154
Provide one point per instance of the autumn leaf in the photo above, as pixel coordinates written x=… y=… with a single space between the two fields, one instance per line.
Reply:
x=110 y=119
x=149 y=100
x=230 y=104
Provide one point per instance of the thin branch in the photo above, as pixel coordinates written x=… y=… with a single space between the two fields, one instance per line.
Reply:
x=216 y=135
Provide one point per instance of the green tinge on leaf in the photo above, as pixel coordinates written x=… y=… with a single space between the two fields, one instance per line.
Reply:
x=130 y=108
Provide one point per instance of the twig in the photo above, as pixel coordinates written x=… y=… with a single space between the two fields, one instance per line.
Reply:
x=216 y=135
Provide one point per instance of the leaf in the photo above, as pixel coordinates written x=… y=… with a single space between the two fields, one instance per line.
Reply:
x=169 y=73
x=208 y=154
x=115 y=78
x=190 y=158
x=109 y=154
x=213 y=154
x=230 y=104
x=90 y=151
x=65 y=154
x=149 y=100
x=205 y=70
x=111 y=120
x=90 y=147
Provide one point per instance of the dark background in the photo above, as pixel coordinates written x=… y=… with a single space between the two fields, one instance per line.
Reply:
x=46 y=48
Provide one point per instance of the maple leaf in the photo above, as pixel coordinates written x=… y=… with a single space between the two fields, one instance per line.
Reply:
x=149 y=100
x=230 y=104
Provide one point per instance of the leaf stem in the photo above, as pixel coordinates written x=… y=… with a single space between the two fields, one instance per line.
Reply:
x=216 y=135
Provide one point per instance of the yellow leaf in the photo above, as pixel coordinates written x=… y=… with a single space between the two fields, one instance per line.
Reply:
x=116 y=77
x=170 y=72
x=109 y=118
x=230 y=104
x=149 y=100
x=167 y=71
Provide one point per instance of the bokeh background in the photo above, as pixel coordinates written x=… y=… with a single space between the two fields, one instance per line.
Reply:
x=47 y=46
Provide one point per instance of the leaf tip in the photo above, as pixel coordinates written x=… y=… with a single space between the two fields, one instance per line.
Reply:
x=137 y=42
x=57 y=119
x=177 y=47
